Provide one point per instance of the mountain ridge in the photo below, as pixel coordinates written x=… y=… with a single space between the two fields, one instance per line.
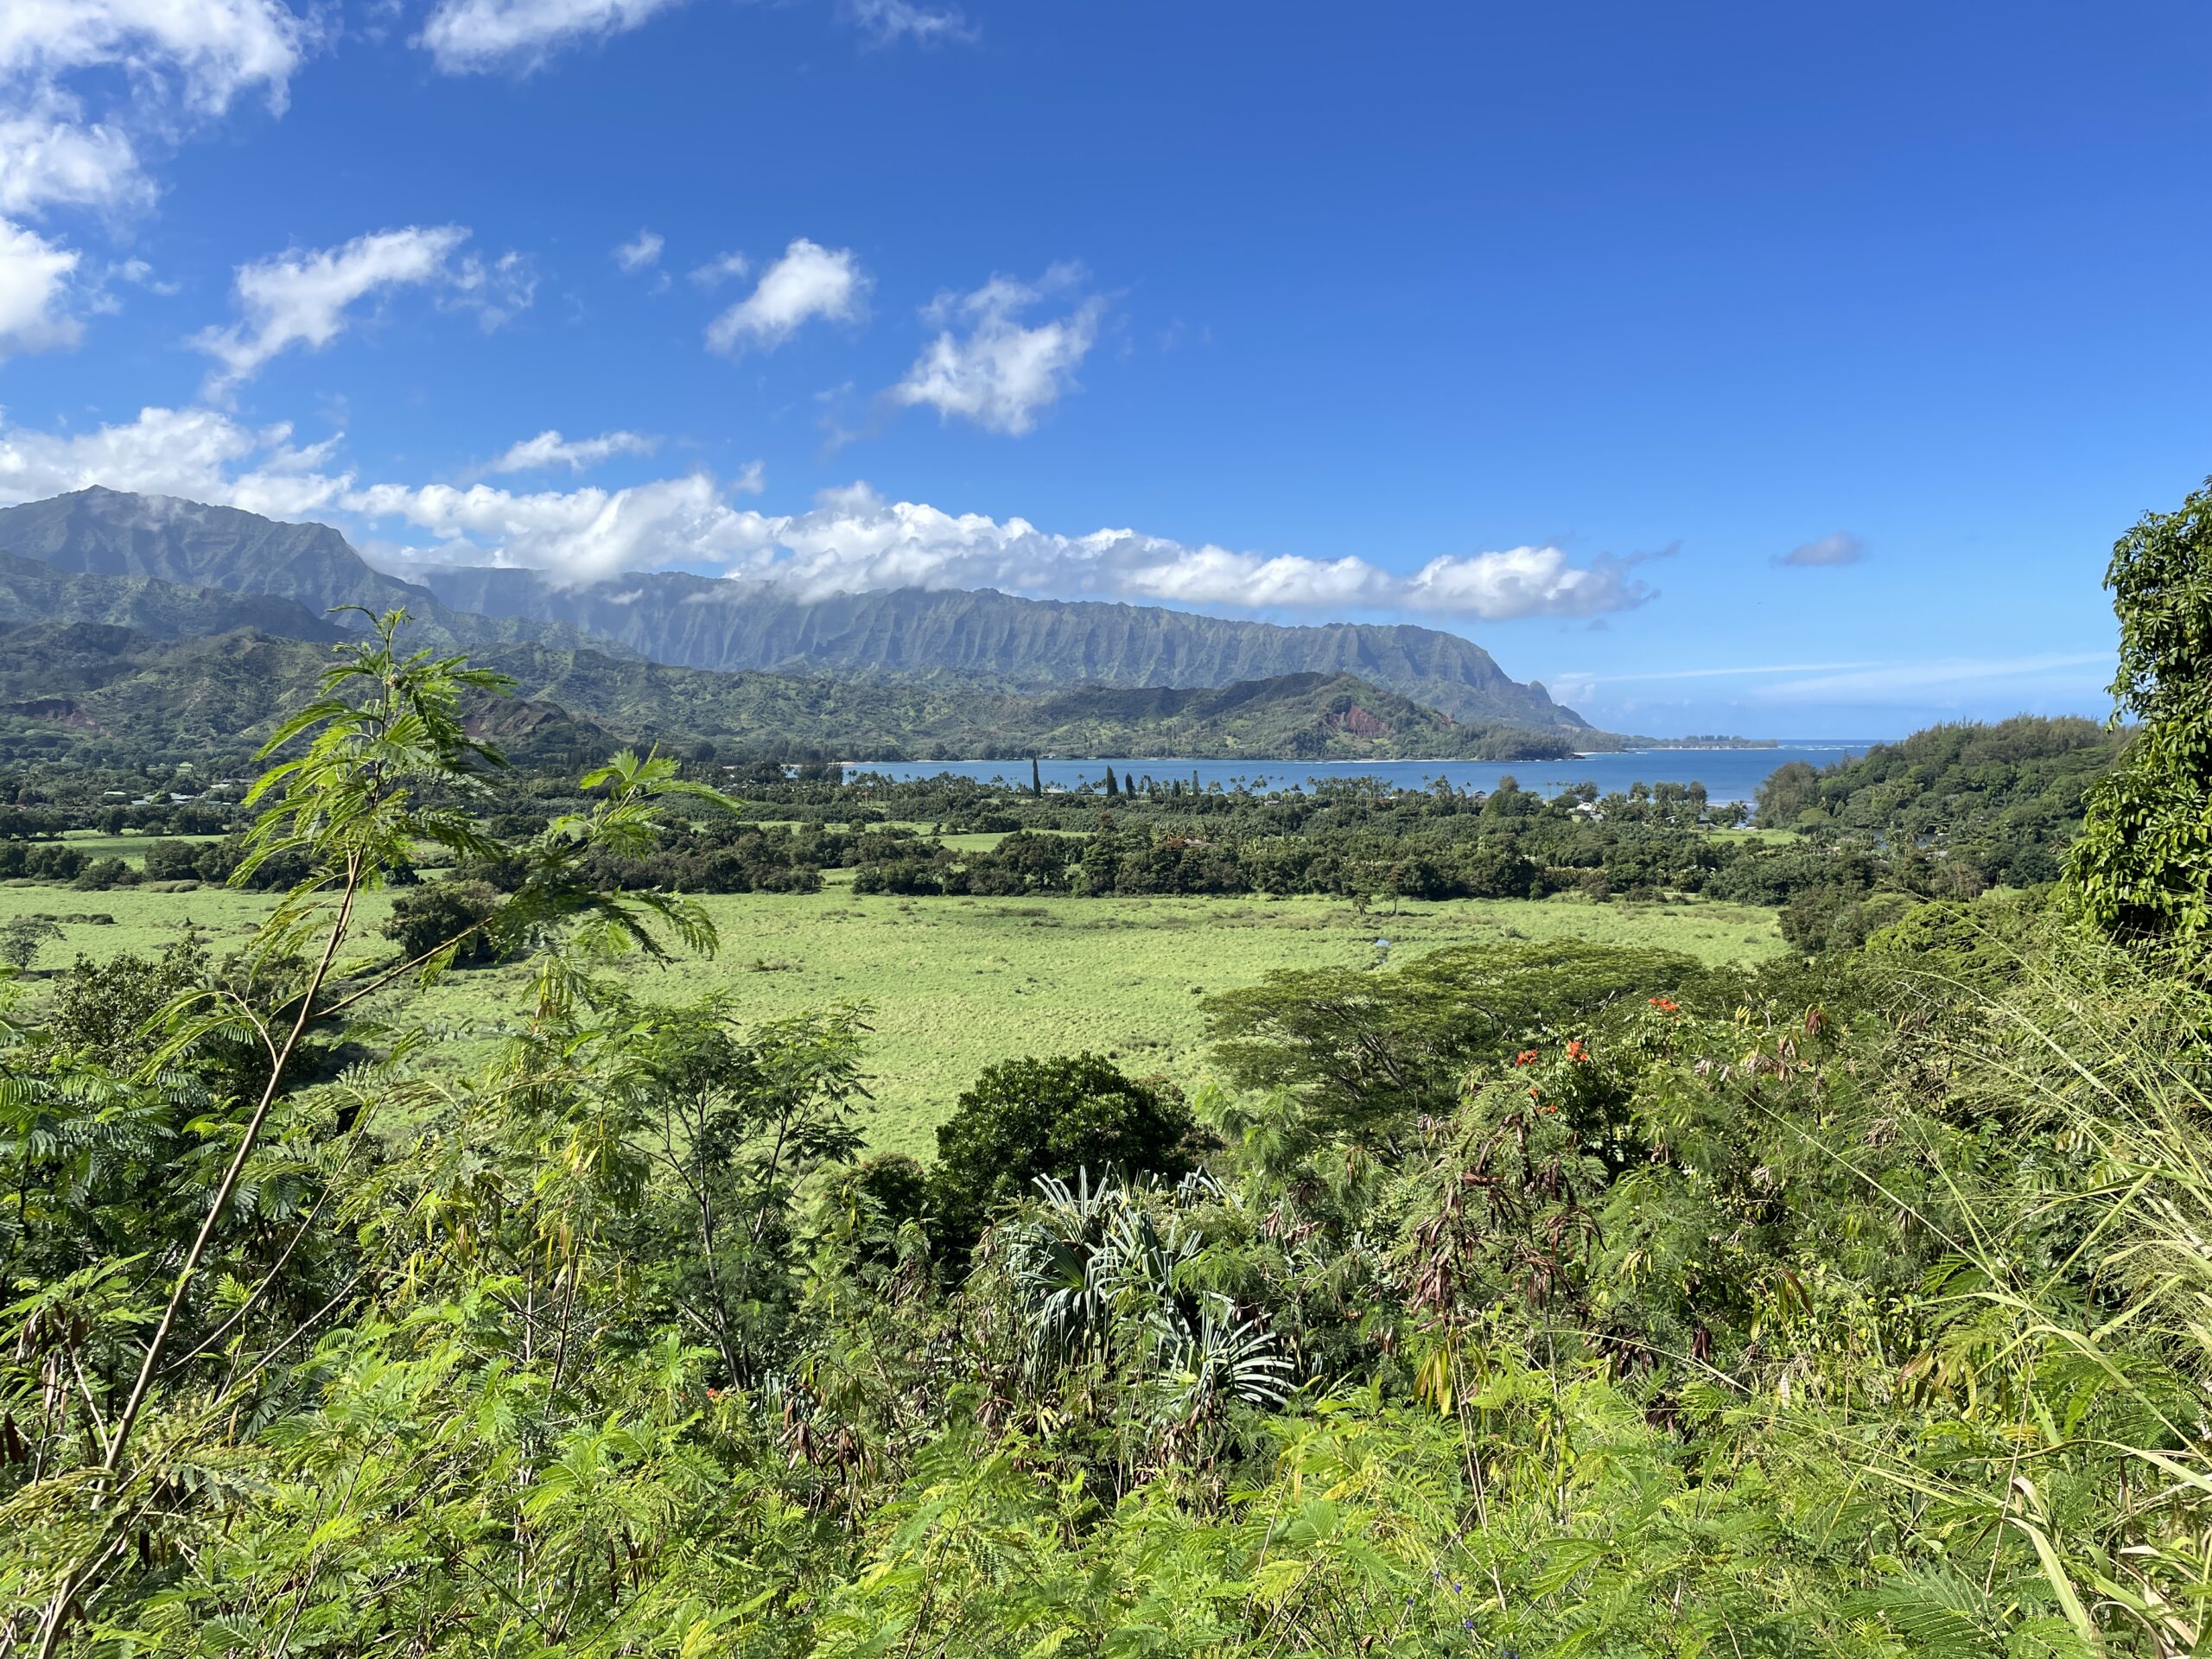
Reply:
x=224 y=692
x=920 y=635
x=992 y=643
x=99 y=532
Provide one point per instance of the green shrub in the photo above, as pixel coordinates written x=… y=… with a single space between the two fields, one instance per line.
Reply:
x=425 y=917
x=1060 y=1117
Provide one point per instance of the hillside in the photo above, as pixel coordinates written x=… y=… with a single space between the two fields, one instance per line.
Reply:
x=917 y=637
x=78 y=684
x=31 y=591
x=2006 y=796
x=177 y=546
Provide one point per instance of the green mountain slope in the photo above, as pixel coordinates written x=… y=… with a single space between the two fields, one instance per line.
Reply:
x=100 y=533
x=31 y=591
x=86 y=682
x=112 y=533
x=910 y=636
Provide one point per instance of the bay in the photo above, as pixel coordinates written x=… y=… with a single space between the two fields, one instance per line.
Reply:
x=1727 y=774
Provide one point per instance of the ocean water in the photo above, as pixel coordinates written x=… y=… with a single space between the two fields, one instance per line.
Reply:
x=1727 y=774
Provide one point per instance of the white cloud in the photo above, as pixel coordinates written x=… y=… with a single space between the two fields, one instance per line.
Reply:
x=50 y=159
x=180 y=61
x=580 y=535
x=493 y=291
x=852 y=541
x=1842 y=548
x=849 y=541
x=199 y=454
x=475 y=36
x=643 y=253
x=35 y=277
x=303 y=297
x=887 y=21
x=472 y=36
x=549 y=448
x=207 y=52
x=1523 y=582
x=1000 y=374
x=809 y=282
x=718 y=270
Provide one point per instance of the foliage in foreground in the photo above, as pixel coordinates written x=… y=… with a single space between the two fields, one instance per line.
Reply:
x=2143 y=867
x=1551 y=1300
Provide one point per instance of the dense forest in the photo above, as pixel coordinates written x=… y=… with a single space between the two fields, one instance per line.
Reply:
x=1530 y=1298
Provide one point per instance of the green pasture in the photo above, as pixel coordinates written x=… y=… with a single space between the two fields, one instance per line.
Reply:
x=958 y=983
x=130 y=848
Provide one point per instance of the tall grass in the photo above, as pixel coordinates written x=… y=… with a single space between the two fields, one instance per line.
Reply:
x=2048 y=1455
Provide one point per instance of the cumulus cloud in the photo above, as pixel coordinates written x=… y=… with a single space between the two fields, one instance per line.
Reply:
x=1842 y=548
x=641 y=254
x=181 y=61
x=850 y=540
x=809 y=282
x=304 y=297
x=579 y=535
x=35 y=276
x=1000 y=374
x=50 y=157
x=199 y=454
x=853 y=541
x=205 y=53
x=549 y=448
x=475 y=36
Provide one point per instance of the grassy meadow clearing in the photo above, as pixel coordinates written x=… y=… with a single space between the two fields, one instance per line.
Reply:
x=956 y=984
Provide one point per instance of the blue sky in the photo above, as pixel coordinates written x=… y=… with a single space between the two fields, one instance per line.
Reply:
x=1564 y=328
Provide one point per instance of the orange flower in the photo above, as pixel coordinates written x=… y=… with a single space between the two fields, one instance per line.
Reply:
x=1666 y=1005
x=1526 y=1057
x=1575 y=1050
x=1534 y=1093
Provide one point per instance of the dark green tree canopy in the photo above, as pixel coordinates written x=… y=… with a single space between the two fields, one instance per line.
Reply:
x=2143 y=867
x=1060 y=1117
x=1370 y=1048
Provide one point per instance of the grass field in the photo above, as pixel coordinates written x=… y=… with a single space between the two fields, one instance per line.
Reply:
x=958 y=983
x=131 y=849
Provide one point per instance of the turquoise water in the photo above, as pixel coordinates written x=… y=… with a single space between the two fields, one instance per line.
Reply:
x=1727 y=774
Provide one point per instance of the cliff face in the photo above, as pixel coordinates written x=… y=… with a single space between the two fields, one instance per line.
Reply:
x=227 y=691
x=910 y=635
